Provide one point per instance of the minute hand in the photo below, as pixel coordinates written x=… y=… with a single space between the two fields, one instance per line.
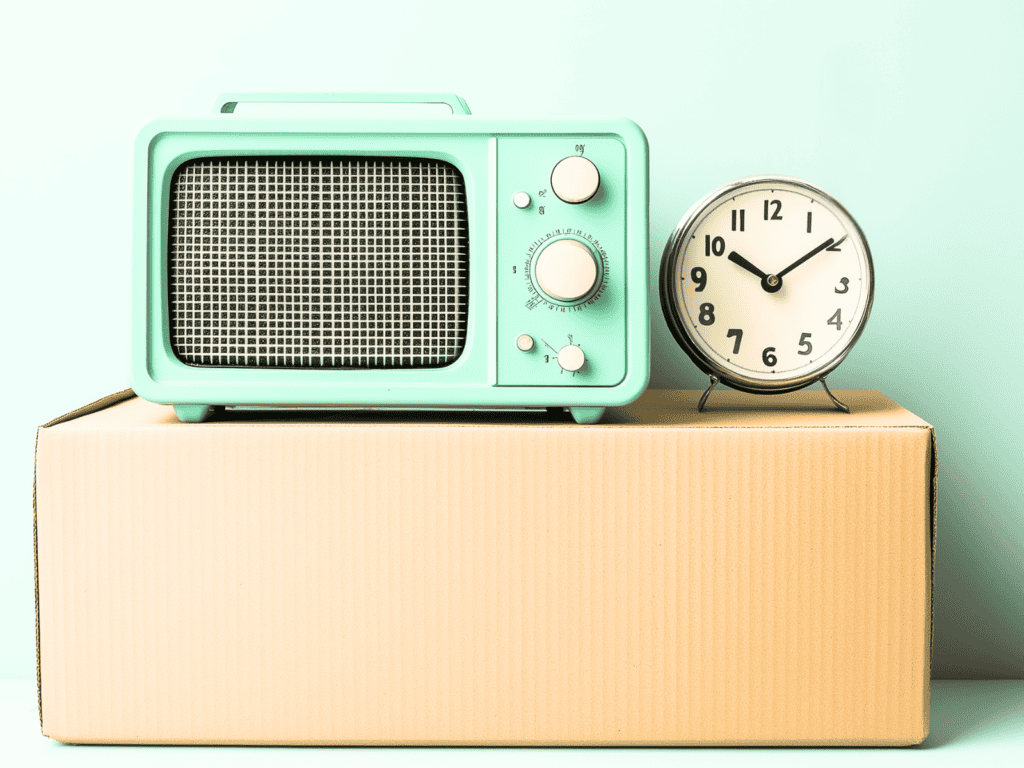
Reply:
x=804 y=258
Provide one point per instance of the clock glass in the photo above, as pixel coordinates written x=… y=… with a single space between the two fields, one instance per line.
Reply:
x=767 y=283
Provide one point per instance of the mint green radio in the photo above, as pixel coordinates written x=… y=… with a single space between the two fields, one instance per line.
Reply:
x=453 y=262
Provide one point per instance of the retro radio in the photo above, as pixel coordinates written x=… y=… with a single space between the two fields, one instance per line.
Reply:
x=452 y=262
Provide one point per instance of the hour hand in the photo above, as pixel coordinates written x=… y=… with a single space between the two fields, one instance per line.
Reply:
x=737 y=259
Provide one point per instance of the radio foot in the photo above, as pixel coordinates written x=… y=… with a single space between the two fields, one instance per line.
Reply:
x=586 y=414
x=193 y=414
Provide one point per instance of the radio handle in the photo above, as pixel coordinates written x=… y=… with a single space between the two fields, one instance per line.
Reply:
x=227 y=102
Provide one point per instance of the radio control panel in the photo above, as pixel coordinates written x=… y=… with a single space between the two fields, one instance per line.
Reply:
x=561 y=261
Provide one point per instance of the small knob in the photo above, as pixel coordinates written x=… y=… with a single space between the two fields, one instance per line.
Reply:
x=566 y=270
x=571 y=358
x=524 y=342
x=521 y=200
x=575 y=179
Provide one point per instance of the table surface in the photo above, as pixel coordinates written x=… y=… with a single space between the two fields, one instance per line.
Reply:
x=981 y=721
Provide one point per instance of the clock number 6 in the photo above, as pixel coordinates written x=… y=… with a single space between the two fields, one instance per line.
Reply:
x=768 y=358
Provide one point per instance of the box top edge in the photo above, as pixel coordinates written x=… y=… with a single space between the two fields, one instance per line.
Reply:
x=103 y=403
x=655 y=410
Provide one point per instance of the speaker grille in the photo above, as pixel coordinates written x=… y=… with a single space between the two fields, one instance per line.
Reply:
x=318 y=262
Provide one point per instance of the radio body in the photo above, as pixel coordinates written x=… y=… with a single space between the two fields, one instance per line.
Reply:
x=451 y=263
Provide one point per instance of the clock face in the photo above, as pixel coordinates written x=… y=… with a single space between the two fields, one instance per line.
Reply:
x=767 y=283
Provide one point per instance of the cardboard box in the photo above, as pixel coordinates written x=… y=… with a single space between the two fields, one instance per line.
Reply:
x=742 y=576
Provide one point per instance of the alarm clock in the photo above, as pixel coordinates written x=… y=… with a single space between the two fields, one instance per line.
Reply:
x=767 y=284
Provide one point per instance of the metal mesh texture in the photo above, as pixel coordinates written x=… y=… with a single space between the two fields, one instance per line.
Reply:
x=318 y=262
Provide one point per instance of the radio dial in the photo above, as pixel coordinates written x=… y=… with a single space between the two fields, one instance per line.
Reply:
x=566 y=270
x=571 y=358
x=575 y=180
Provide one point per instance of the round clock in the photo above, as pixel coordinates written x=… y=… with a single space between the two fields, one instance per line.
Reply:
x=766 y=284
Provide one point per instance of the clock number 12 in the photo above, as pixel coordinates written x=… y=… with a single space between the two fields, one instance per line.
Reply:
x=776 y=214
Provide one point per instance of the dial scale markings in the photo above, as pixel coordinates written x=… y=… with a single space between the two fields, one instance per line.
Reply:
x=538 y=297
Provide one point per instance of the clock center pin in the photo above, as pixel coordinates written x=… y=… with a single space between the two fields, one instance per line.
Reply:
x=771 y=283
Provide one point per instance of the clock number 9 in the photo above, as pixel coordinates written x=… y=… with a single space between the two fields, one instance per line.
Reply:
x=700 y=277
x=707 y=314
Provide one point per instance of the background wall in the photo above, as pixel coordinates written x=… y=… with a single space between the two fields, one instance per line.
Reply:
x=911 y=114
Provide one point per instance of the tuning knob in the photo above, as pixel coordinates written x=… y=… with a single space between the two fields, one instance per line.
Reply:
x=575 y=179
x=566 y=270
x=571 y=358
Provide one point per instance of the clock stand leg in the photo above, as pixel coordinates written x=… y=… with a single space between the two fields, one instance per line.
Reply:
x=835 y=401
x=707 y=393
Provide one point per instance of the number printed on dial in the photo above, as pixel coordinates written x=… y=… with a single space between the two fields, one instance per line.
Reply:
x=773 y=281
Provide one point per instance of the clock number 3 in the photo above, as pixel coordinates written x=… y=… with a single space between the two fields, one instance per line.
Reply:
x=845 y=283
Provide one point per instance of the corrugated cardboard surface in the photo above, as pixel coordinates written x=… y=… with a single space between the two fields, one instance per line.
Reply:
x=734 y=577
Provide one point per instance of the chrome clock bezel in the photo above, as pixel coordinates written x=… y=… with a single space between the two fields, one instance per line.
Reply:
x=674 y=314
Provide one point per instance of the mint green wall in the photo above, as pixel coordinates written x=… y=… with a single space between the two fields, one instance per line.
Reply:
x=910 y=113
